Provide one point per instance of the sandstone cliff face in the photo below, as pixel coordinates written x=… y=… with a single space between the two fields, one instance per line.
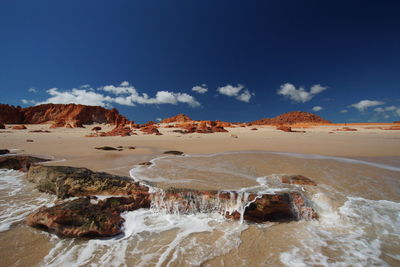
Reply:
x=292 y=118
x=63 y=115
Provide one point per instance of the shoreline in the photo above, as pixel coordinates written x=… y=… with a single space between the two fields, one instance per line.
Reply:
x=71 y=148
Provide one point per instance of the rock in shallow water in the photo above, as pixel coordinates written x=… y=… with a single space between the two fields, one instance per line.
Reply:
x=67 y=182
x=19 y=163
x=85 y=217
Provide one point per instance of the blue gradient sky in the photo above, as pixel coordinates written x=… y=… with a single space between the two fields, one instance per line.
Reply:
x=351 y=49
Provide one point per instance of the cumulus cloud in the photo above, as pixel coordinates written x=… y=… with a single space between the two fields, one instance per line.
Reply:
x=239 y=92
x=300 y=95
x=158 y=119
x=123 y=94
x=317 y=108
x=388 y=111
x=32 y=90
x=201 y=89
x=363 y=105
x=344 y=111
x=76 y=96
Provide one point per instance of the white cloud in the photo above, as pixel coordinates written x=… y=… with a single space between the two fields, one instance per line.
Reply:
x=76 y=96
x=32 y=90
x=25 y=101
x=365 y=104
x=124 y=83
x=245 y=96
x=344 y=111
x=388 y=111
x=391 y=108
x=158 y=119
x=201 y=89
x=124 y=94
x=317 y=108
x=300 y=95
x=236 y=91
x=316 y=89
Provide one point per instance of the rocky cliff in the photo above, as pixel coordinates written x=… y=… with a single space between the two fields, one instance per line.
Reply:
x=292 y=118
x=177 y=118
x=63 y=114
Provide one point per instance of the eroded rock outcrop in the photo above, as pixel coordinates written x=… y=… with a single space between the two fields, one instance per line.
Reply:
x=86 y=217
x=292 y=118
x=65 y=182
x=19 y=127
x=177 y=118
x=62 y=115
x=91 y=217
x=21 y=163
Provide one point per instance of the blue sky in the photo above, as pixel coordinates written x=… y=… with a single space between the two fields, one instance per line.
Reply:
x=227 y=60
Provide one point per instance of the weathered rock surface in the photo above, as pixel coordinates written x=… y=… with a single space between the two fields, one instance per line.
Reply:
x=19 y=127
x=107 y=148
x=297 y=179
x=90 y=217
x=177 y=118
x=292 y=118
x=150 y=129
x=346 y=129
x=282 y=207
x=2 y=126
x=39 y=131
x=85 y=217
x=173 y=152
x=21 y=163
x=67 y=182
x=61 y=114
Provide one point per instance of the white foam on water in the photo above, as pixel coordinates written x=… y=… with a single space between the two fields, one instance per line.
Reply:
x=152 y=238
x=360 y=233
x=15 y=202
x=340 y=159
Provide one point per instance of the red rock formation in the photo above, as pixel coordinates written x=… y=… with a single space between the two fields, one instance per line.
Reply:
x=151 y=129
x=10 y=114
x=177 y=118
x=85 y=217
x=392 y=128
x=2 y=126
x=284 y=128
x=39 y=131
x=346 y=129
x=292 y=118
x=60 y=114
x=19 y=127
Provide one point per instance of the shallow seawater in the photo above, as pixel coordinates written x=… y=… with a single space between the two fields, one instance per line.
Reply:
x=358 y=201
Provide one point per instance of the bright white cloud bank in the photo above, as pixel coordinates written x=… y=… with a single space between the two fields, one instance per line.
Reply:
x=300 y=95
x=239 y=92
x=317 y=108
x=123 y=94
x=363 y=105
x=200 y=89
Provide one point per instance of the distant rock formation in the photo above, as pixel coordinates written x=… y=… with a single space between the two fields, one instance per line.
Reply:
x=291 y=118
x=177 y=118
x=61 y=115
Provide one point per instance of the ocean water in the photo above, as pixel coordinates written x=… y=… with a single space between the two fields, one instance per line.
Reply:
x=358 y=201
